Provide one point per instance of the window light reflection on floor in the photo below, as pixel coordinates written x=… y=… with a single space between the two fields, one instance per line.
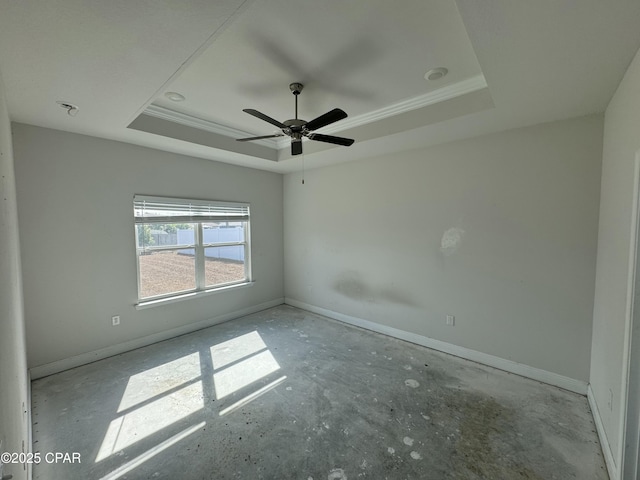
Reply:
x=152 y=452
x=159 y=397
x=155 y=381
x=225 y=353
x=151 y=418
x=244 y=373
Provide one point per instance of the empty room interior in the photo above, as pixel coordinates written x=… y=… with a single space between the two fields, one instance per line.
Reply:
x=260 y=239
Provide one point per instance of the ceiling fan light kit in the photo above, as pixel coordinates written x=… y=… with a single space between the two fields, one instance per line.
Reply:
x=297 y=128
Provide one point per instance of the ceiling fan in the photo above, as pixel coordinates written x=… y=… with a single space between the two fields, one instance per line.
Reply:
x=297 y=128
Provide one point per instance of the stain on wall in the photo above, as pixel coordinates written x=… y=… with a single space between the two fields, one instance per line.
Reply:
x=352 y=284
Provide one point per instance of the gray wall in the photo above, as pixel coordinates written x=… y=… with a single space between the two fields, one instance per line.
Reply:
x=621 y=143
x=75 y=203
x=13 y=368
x=499 y=231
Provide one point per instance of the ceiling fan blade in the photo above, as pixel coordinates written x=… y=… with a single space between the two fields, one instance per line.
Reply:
x=329 y=117
x=259 y=138
x=264 y=117
x=296 y=147
x=331 y=139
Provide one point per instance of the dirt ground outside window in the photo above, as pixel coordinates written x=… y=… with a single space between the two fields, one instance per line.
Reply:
x=170 y=271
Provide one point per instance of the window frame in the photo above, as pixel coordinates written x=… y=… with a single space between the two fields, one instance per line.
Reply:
x=223 y=211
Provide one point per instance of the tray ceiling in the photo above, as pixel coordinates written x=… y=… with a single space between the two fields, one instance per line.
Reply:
x=510 y=64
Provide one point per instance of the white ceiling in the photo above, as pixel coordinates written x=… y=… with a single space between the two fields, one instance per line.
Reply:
x=511 y=63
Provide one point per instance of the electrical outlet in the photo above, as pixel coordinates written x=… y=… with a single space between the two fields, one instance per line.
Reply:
x=115 y=320
x=451 y=320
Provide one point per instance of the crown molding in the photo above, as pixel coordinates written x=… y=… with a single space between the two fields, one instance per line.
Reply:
x=445 y=93
x=202 y=124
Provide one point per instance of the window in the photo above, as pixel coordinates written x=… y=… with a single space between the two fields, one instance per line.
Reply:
x=185 y=246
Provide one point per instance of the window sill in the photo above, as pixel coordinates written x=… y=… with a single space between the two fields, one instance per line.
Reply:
x=179 y=298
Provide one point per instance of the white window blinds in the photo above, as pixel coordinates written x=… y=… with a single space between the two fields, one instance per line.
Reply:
x=177 y=210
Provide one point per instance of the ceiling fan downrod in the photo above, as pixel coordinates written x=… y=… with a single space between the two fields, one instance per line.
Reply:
x=296 y=88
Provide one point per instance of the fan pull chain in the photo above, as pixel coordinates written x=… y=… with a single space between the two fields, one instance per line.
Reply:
x=302 y=169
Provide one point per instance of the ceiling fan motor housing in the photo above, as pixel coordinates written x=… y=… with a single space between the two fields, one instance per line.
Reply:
x=295 y=127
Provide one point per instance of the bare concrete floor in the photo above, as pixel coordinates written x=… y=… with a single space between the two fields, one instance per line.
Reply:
x=286 y=394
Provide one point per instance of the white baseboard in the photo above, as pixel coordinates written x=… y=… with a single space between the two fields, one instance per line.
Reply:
x=82 y=359
x=534 y=373
x=602 y=436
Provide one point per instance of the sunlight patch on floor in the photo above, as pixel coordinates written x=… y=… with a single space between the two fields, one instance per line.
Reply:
x=237 y=348
x=244 y=373
x=152 y=452
x=151 y=383
x=163 y=395
x=151 y=418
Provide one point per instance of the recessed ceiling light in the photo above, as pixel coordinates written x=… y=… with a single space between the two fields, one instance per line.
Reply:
x=174 y=96
x=436 y=73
